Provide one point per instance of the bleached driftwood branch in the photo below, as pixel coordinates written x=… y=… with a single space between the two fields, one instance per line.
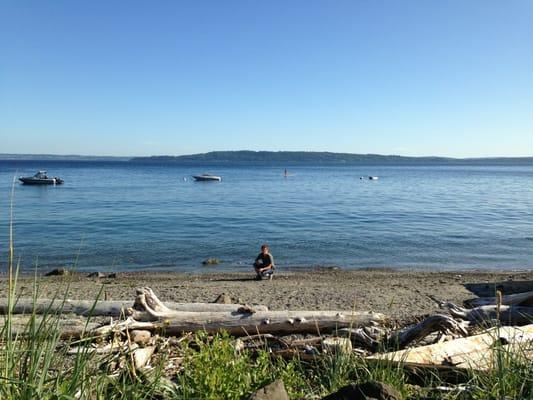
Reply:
x=520 y=299
x=375 y=339
x=507 y=315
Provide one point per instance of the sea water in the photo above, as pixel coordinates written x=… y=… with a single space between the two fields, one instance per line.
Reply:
x=123 y=216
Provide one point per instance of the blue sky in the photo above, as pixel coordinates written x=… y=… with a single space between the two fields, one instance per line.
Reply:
x=450 y=78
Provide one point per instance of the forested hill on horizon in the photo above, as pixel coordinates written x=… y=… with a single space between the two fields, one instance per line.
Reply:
x=288 y=158
x=276 y=158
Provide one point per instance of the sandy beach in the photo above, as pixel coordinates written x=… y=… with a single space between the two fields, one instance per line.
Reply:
x=401 y=294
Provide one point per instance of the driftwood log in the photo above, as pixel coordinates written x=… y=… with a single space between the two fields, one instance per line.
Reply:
x=108 y=308
x=476 y=352
x=149 y=313
x=248 y=321
x=519 y=299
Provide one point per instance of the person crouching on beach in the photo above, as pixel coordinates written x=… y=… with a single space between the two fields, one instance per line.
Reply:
x=264 y=263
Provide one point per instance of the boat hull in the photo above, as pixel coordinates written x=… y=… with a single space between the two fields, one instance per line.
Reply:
x=33 y=181
x=202 y=178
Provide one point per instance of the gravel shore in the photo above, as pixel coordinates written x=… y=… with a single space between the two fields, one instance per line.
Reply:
x=401 y=294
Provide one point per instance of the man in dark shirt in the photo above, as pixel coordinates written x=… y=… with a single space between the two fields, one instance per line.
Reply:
x=264 y=263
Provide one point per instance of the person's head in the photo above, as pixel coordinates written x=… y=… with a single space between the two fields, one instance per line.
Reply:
x=264 y=248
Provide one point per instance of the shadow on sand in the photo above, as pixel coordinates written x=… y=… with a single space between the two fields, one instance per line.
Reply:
x=488 y=289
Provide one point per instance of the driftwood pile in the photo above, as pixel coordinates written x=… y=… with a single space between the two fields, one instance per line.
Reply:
x=445 y=343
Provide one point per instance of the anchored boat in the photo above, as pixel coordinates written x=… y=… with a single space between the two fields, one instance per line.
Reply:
x=207 y=177
x=40 y=178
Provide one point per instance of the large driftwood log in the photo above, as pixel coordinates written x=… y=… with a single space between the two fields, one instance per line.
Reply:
x=249 y=322
x=107 y=308
x=149 y=313
x=519 y=299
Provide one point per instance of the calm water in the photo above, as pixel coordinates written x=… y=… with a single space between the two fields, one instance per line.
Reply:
x=118 y=216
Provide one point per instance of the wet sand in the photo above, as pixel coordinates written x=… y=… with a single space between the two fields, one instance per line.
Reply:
x=401 y=294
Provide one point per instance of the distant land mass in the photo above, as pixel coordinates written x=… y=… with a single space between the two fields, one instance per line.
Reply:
x=277 y=158
x=55 y=157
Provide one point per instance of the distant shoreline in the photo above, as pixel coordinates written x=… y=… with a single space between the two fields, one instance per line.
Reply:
x=279 y=158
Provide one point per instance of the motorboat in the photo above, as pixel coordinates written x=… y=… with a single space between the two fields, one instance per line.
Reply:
x=373 y=178
x=40 y=178
x=207 y=177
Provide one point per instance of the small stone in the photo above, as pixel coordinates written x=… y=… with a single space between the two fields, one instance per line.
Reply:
x=142 y=356
x=337 y=345
x=223 y=299
x=58 y=272
x=96 y=275
x=211 y=261
x=368 y=390
x=273 y=391
x=140 y=336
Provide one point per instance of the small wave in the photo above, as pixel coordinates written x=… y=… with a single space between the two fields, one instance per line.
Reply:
x=458 y=236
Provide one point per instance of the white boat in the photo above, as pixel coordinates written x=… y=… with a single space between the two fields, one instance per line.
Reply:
x=373 y=178
x=207 y=177
x=40 y=178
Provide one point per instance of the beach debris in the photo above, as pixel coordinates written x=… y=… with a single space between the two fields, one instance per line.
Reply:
x=478 y=352
x=58 y=272
x=336 y=345
x=273 y=391
x=141 y=356
x=96 y=274
x=485 y=315
x=223 y=299
x=374 y=338
x=211 y=261
x=368 y=390
x=140 y=336
x=443 y=324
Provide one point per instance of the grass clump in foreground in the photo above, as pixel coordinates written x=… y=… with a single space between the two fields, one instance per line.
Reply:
x=35 y=362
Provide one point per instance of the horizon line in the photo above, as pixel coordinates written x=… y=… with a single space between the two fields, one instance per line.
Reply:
x=34 y=155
